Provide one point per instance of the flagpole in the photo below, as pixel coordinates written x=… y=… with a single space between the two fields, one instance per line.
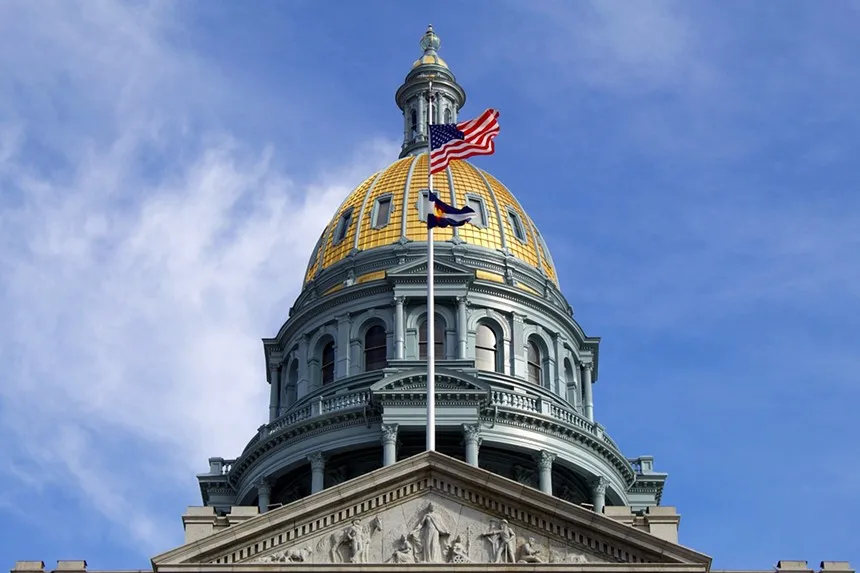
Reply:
x=431 y=307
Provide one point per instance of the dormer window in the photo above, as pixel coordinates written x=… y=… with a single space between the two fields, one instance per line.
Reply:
x=381 y=212
x=342 y=226
x=477 y=204
x=517 y=225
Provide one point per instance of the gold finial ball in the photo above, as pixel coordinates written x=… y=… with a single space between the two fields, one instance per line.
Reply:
x=430 y=42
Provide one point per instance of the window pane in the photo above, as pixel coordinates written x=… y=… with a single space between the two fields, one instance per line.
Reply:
x=383 y=212
x=438 y=341
x=343 y=226
x=517 y=226
x=485 y=348
x=534 y=363
x=328 y=363
x=375 y=349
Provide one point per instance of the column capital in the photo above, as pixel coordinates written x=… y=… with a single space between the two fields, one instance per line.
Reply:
x=544 y=459
x=342 y=318
x=317 y=460
x=389 y=433
x=263 y=485
x=588 y=366
x=472 y=432
x=599 y=485
x=399 y=299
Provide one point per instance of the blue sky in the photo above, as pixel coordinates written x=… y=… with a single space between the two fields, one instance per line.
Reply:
x=166 y=166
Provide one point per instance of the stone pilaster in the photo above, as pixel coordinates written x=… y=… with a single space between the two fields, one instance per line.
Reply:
x=399 y=329
x=317 y=460
x=275 y=390
x=264 y=492
x=303 y=384
x=587 y=368
x=598 y=492
x=389 y=444
x=544 y=460
x=462 y=327
x=341 y=359
x=472 y=439
x=518 y=343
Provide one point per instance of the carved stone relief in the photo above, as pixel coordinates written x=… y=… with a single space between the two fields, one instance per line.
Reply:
x=429 y=529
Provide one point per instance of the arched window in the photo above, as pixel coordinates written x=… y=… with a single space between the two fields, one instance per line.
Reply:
x=414 y=119
x=535 y=363
x=448 y=117
x=438 y=338
x=328 y=363
x=375 y=348
x=486 y=349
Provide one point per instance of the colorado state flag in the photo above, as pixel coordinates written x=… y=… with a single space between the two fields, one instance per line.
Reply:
x=440 y=214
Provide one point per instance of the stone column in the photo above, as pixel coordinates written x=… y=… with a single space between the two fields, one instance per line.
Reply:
x=462 y=327
x=275 y=390
x=264 y=490
x=586 y=390
x=518 y=346
x=598 y=491
x=317 y=460
x=472 y=439
x=389 y=444
x=544 y=461
x=399 y=335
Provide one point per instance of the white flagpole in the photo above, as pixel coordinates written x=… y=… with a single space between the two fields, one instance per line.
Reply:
x=431 y=307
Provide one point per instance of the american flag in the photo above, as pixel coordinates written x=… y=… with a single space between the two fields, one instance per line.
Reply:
x=450 y=141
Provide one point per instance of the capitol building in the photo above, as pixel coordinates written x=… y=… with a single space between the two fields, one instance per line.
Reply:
x=523 y=477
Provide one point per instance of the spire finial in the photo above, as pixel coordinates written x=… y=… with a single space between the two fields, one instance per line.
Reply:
x=430 y=42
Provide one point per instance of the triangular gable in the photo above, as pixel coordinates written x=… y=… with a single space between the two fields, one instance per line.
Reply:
x=382 y=517
x=418 y=268
x=415 y=382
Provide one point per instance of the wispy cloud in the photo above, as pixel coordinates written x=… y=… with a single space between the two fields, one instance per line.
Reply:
x=144 y=252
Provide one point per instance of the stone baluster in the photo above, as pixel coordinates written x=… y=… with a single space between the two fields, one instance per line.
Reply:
x=586 y=390
x=598 y=490
x=264 y=491
x=544 y=461
x=389 y=444
x=472 y=439
x=317 y=460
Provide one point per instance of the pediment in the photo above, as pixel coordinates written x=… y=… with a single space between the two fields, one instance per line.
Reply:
x=418 y=268
x=415 y=382
x=429 y=509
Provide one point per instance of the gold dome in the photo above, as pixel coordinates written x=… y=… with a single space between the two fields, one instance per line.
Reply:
x=357 y=224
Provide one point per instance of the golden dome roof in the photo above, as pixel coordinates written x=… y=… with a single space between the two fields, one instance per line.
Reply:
x=360 y=222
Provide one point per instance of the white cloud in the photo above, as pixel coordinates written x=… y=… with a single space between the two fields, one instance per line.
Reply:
x=142 y=261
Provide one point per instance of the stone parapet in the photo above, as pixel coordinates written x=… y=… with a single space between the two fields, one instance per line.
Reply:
x=660 y=521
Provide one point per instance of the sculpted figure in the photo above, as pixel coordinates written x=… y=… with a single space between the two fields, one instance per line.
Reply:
x=458 y=552
x=504 y=543
x=530 y=552
x=354 y=539
x=429 y=532
x=404 y=552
